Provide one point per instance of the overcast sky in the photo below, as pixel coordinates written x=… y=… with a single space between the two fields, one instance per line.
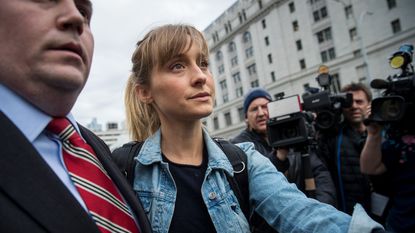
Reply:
x=117 y=26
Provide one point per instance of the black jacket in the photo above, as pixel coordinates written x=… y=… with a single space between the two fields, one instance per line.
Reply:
x=32 y=197
x=355 y=185
x=325 y=189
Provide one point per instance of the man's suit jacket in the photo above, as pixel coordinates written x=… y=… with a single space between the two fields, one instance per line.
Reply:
x=32 y=197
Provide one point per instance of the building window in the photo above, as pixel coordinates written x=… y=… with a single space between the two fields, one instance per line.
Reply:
x=299 y=45
x=324 y=57
x=323 y=12
x=236 y=78
x=320 y=14
x=244 y=14
x=234 y=61
x=353 y=34
x=225 y=97
x=241 y=114
x=222 y=84
x=232 y=46
x=264 y=23
x=226 y=28
x=273 y=79
x=270 y=58
x=251 y=69
x=228 y=119
x=239 y=92
x=255 y=83
x=266 y=40
x=215 y=123
x=348 y=11
x=295 y=25
x=246 y=37
x=316 y=16
x=260 y=4
x=332 y=53
x=396 y=26
x=112 y=126
x=215 y=36
x=324 y=35
x=291 y=6
x=221 y=69
x=302 y=64
x=219 y=56
x=335 y=83
x=357 y=53
x=249 y=52
x=328 y=55
x=391 y=3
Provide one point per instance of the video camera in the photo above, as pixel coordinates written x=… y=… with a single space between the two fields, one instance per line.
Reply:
x=396 y=106
x=288 y=125
x=327 y=105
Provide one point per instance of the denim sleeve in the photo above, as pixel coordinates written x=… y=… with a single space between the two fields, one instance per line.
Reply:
x=286 y=208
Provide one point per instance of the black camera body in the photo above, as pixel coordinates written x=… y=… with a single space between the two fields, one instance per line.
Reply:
x=328 y=107
x=288 y=125
x=396 y=106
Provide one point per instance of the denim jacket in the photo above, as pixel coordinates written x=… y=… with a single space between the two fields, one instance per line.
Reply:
x=280 y=203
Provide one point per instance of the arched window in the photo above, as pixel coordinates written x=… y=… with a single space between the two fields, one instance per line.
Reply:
x=232 y=47
x=219 y=55
x=247 y=37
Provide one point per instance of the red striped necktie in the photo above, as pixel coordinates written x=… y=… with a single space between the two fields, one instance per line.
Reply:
x=103 y=200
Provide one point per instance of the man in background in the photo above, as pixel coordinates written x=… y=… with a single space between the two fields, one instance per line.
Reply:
x=256 y=117
x=341 y=151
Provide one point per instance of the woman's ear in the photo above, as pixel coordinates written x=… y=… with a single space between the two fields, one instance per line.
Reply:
x=143 y=94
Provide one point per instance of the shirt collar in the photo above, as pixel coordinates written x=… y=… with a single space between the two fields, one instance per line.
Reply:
x=28 y=119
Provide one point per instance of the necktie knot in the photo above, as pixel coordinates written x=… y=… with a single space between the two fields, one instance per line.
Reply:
x=63 y=128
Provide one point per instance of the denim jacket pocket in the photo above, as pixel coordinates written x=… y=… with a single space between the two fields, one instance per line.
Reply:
x=236 y=216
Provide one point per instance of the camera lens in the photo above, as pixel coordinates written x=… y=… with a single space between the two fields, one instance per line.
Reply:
x=325 y=120
x=391 y=109
x=290 y=132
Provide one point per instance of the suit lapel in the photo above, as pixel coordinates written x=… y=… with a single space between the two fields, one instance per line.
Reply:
x=28 y=180
x=103 y=154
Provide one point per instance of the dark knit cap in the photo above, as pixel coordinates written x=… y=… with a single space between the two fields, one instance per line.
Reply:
x=253 y=94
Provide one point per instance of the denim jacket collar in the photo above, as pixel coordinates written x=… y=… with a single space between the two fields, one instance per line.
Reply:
x=151 y=153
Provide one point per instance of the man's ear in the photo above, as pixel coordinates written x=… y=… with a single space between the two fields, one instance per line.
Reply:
x=247 y=123
x=143 y=94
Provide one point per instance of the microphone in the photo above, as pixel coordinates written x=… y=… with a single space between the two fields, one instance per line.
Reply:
x=379 y=84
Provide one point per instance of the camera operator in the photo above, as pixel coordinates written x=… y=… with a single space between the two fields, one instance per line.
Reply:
x=390 y=145
x=394 y=154
x=256 y=117
x=340 y=150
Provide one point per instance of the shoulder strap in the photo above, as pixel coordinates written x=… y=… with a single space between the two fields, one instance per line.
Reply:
x=124 y=158
x=239 y=182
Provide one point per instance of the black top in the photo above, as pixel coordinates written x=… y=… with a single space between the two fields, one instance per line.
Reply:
x=352 y=186
x=398 y=152
x=190 y=212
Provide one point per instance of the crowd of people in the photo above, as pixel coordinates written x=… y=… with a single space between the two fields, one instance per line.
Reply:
x=57 y=176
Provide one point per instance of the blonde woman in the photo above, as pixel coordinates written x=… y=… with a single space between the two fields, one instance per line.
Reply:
x=180 y=174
